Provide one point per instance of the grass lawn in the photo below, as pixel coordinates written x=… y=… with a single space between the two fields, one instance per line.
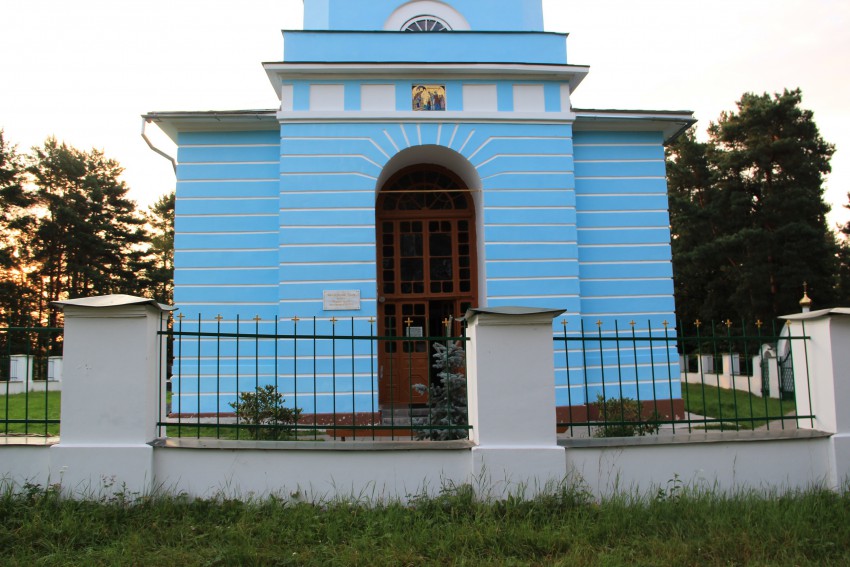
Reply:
x=674 y=528
x=35 y=408
x=720 y=403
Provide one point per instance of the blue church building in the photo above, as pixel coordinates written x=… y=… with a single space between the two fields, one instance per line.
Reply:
x=425 y=158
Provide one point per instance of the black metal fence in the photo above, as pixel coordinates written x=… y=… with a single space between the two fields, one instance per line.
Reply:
x=313 y=379
x=30 y=376
x=660 y=379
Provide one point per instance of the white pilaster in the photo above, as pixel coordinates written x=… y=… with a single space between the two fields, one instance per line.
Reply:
x=110 y=399
x=822 y=380
x=511 y=383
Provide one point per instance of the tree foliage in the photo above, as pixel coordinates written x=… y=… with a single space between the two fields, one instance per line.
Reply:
x=69 y=230
x=747 y=213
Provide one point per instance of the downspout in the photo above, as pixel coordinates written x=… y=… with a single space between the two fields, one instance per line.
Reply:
x=154 y=148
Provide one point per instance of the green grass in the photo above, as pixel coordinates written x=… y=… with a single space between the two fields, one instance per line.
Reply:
x=720 y=403
x=35 y=408
x=563 y=529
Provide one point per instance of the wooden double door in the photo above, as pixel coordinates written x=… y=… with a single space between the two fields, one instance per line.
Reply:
x=427 y=275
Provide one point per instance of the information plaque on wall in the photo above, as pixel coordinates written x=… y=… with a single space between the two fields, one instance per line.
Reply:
x=341 y=300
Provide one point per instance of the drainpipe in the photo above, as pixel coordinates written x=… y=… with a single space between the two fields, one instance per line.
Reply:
x=154 y=148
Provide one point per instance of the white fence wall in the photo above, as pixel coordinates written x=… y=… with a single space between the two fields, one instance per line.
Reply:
x=112 y=352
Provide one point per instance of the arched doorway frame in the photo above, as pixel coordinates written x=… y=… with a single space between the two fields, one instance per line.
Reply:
x=458 y=165
x=427 y=272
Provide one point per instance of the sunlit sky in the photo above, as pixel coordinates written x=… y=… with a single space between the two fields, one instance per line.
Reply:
x=86 y=70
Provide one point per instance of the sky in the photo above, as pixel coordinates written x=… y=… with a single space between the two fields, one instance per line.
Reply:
x=85 y=71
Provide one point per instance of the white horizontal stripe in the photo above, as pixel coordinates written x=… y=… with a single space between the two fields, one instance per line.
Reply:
x=542 y=207
x=494 y=138
x=328 y=173
x=228 y=163
x=327 y=210
x=619 y=161
x=213 y=303
x=331 y=280
x=327 y=263
x=225 y=215
x=499 y=156
x=629 y=212
x=623 y=245
x=328 y=192
x=330 y=156
x=528 y=173
x=521 y=297
x=523 y=190
x=630 y=228
x=275 y=198
x=319 y=301
x=229 y=180
x=218 y=250
x=228 y=233
x=528 y=261
x=603 y=195
x=326 y=226
x=623 y=145
x=535 y=279
x=600 y=178
x=652 y=296
x=567 y=225
x=591 y=263
x=288 y=246
x=226 y=269
x=527 y=243
x=230 y=145
x=584 y=280
x=202 y=286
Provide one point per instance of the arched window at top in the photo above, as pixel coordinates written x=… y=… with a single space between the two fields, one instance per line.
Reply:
x=426 y=16
x=425 y=24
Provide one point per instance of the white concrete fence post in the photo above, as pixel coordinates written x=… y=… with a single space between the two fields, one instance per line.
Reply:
x=511 y=384
x=111 y=396
x=822 y=381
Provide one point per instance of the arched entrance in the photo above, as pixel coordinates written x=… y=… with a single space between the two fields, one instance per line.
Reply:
x=427 y=272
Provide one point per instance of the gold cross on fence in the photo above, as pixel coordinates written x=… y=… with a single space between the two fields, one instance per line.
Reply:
x=409 y=321
x=219 y=318
x=257 y=319
x=334 y=320
x=296 y=319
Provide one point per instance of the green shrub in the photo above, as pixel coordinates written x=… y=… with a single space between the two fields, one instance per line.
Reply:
x=622 y=417
x=264 y=409
x=447 y=401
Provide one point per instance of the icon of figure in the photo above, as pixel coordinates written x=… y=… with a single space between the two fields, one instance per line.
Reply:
x=418 y=92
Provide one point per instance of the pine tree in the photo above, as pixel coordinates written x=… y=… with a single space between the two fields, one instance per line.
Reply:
x=89 y=236
x=17 y=289
x=748 y=215
x=159 y=261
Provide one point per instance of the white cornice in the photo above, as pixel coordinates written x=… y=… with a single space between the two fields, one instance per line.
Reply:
x=670 y=123
x=280 y=72
x=413 y=117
